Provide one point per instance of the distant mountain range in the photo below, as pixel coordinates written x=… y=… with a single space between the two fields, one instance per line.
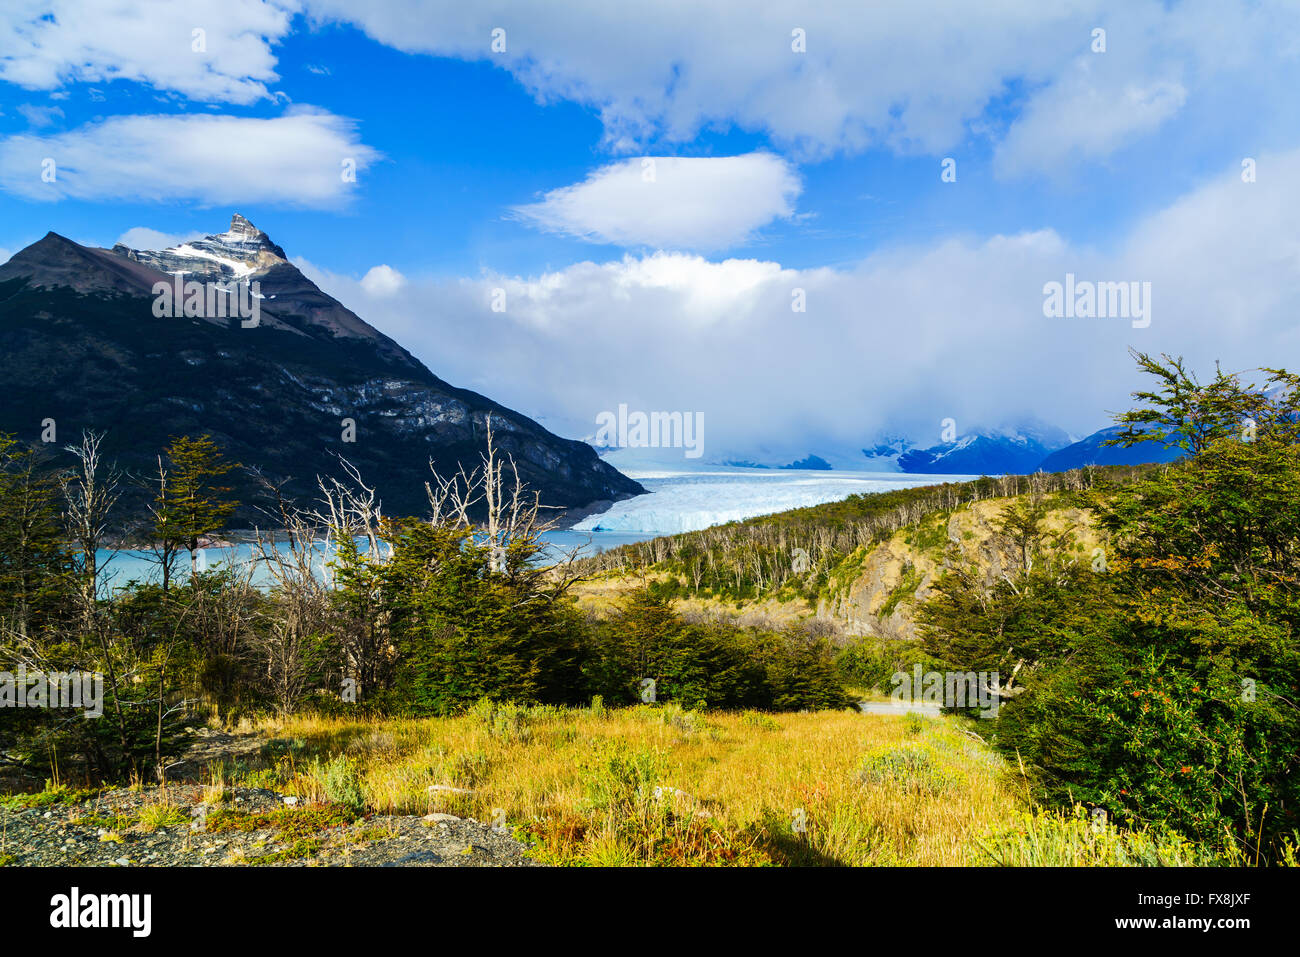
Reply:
x=1021 y=449
x=1015 y=450
x=82 y=342
x=1090 y=451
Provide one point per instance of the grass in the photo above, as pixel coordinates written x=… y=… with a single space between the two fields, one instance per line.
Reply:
x=154 y=817
x=292 y=822
x=52 y=796
x=657 y=784
x=1074 y=839
x=300 y=849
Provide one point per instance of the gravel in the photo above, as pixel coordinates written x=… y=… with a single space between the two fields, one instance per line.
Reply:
x=106 y=830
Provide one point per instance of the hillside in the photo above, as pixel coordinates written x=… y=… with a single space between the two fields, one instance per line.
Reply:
x=78 y=328
x=859 y=564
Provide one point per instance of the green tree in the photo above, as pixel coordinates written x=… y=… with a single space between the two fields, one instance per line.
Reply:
x=466 y=629
x=1187 y=414
x=34 y=559
x=188 y=505
x=1164 y=689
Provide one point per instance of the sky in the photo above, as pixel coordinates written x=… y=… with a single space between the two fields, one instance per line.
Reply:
x=812 y=225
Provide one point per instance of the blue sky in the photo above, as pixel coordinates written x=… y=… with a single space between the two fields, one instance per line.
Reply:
x=481 y=168
x=462 y=142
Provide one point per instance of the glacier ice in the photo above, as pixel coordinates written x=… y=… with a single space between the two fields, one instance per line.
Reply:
x=686 y=500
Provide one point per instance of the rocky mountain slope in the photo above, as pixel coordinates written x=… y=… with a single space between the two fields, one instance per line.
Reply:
x=81 y=343
x=875 y=589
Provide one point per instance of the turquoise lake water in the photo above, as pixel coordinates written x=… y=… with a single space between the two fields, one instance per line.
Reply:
x=120 y=568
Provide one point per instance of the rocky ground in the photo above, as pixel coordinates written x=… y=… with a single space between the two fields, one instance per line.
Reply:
x=175 y=826
x=187 y=824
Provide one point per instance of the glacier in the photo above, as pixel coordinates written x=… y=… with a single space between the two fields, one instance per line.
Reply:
x=684 y=499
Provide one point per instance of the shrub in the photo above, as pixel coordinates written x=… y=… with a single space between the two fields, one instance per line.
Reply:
x=1078 y=838
x=756 y=719
x=911 y=767
x=619 y=780
x=340 y=779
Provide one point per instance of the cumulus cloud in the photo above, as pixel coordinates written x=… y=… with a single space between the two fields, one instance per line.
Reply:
x=293 y=159
x=47 y=43
x=901 y=340
x=820 y=79
x=382 y=281
x=704 y=203
x=911 y=77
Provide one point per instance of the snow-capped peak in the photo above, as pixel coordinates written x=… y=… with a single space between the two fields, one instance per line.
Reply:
x=238 y=253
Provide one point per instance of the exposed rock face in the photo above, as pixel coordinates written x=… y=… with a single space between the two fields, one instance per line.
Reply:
x=882 y=585
x=81 y=344
x=241 y=250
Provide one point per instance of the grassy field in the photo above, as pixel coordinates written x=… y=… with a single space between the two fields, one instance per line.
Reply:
x=661 y=786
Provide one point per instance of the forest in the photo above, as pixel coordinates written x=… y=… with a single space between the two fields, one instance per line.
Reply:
x=1156 y=685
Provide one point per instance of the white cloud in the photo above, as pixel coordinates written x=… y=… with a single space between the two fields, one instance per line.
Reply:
x=142 y=237
x=40 y=115
x=922 y=76
x=5 y=255
x=917 y=76
x=667 y=202
x=382 y=281
x=44 y=45
x=907 y=337
x=1081 y=121
x=293 y=159
x=1155 y=61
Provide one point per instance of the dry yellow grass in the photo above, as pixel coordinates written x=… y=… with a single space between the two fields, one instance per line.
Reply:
x=733 y=788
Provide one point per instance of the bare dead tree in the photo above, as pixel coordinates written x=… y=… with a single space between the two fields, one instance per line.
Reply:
x=512 y=526
x=90 y=490
x=350 y=510
x=300 y=595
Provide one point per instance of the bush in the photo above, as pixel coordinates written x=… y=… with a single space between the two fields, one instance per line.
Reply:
x=619 y=780
x=340 y=779
x=1079 y=838
x=909 y=767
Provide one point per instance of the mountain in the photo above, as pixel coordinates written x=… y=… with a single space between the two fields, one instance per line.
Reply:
x=812 y=462
x=1015 y=448
x=1010 y=450
x=1090 y=451
x=884 y=455
x=81 y=342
